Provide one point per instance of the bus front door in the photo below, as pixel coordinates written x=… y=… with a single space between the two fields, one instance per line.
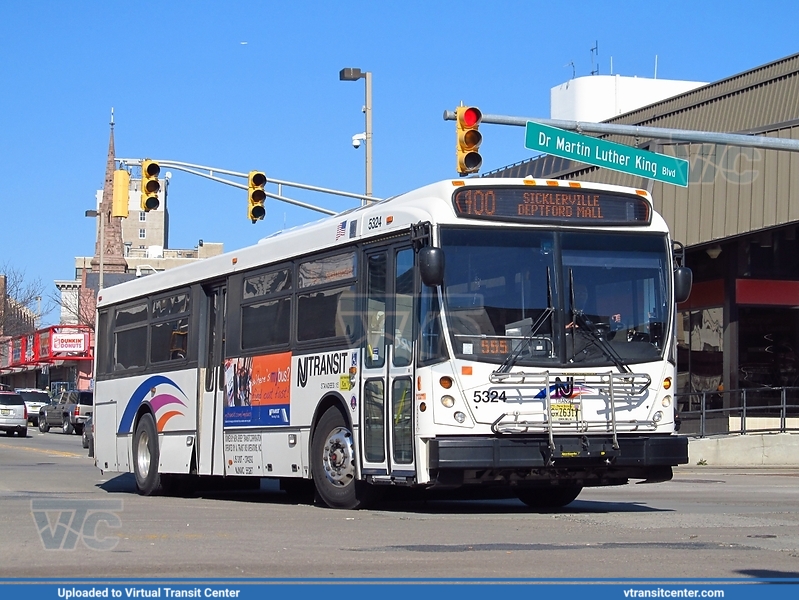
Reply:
x=210 y=418
x=386 y=411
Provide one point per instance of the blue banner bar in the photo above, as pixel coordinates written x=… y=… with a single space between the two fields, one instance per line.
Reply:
x=436 y=589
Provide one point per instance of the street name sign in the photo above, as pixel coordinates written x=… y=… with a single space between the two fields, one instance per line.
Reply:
x=603 y=153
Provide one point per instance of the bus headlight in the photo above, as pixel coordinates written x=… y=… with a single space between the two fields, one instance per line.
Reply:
x=460 y=417
x=448 y=401
x=666 y=402
x=657 y=416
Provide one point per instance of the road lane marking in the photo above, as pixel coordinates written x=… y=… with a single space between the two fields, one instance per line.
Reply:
x=48 y=452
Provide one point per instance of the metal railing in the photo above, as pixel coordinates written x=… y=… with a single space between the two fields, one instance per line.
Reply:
x=747 y=410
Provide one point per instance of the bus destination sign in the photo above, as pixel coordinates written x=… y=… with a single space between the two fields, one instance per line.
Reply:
x=556 y=205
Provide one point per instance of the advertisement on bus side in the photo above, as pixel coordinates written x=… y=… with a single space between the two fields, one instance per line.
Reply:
x=258 y=390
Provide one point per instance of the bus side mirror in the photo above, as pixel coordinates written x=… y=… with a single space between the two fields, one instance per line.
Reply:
x=431 y=265
x=683 y=279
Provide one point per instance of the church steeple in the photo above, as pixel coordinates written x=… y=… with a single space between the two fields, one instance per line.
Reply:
x=110 y=246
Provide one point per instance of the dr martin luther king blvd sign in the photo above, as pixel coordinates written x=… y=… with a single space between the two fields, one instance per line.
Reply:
x=602 y=153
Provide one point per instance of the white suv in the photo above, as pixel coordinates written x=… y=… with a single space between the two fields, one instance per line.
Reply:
x=13 y=414
x=34 y=400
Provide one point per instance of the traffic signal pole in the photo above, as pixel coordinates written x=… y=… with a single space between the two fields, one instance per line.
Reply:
x=658 y=133
x=200 y=170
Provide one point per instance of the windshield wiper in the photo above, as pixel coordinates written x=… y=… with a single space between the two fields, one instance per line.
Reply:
x=587 y=326
x=512 y=357
x=582 y=323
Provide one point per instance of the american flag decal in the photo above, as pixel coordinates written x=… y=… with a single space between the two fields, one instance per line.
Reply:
x=341 y=230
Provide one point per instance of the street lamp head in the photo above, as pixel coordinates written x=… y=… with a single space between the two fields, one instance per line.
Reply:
x=91 y=213
x=350 y=74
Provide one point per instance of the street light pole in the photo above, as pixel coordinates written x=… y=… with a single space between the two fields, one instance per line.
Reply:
x=351 y=74
x=99 y=215
x=367 y=109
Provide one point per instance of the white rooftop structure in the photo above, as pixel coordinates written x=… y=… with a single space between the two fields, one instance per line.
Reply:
x=596 y=98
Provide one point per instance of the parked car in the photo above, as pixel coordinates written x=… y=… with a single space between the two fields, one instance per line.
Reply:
x=13 y=414
x=34 y=400
x=69 y=412
x=88 y=435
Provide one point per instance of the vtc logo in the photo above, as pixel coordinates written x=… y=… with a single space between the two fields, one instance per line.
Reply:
x=61 y=523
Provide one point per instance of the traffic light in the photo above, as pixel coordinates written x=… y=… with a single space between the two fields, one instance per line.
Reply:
x=119 y=204
x=150 y=186
x=256 y=195
x=469 y=139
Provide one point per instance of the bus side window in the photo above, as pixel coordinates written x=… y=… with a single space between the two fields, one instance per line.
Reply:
x=130 y=349
x=168 y=340
x=321 y=315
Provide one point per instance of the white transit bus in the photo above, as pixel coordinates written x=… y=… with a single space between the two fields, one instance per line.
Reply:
x=474 y=332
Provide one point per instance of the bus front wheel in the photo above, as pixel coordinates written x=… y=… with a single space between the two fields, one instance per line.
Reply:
x=146 y=456
x=333 y=464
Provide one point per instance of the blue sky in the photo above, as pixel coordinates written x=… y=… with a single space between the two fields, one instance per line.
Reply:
x=185 y=86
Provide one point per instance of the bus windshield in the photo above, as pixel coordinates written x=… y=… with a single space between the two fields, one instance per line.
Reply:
x=556 y=298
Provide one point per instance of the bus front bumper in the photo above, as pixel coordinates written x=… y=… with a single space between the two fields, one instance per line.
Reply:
x=520 y=453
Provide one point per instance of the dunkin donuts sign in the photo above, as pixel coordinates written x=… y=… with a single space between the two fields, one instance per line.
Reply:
x=69 y=342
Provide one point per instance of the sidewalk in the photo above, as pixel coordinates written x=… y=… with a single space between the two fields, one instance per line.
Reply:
x=753 y=449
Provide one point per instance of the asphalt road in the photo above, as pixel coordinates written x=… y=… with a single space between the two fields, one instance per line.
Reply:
x=705 y=523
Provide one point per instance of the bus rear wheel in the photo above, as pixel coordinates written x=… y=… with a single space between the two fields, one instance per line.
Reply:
x=146 y=456
x=551 y=497
x=333 y=464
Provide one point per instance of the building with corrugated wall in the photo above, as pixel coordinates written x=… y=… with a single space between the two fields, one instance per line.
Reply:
x=739 y=221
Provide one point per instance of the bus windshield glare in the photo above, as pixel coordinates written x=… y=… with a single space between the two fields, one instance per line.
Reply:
x=556 y=298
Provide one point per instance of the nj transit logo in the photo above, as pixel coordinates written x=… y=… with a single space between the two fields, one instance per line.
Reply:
x=565 y=389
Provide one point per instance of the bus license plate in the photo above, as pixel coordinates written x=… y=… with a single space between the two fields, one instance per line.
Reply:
x=565 y=411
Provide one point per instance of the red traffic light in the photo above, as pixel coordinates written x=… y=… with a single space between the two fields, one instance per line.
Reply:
x=468 y=139
x=471 y=116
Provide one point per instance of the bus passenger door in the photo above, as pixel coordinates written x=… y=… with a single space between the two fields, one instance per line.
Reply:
x=388 y=357
x=210 y=420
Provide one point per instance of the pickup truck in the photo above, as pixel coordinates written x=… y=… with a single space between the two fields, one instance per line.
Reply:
x=69 y=411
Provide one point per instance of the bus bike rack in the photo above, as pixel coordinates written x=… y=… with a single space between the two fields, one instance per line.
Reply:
x=609 y=384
